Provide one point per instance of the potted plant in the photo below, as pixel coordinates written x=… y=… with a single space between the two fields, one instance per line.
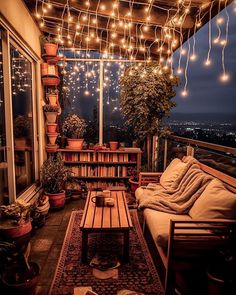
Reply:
x=15 y=219
x=146 y=93
x=52 y=96
x=73 y=128
x=19 y=276
x=133 y=180
x=21 y=129
x=53 y=178
x=51 y=113
x=49 y=44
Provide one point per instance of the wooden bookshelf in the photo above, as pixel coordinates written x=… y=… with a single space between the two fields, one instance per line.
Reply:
x=102 y=168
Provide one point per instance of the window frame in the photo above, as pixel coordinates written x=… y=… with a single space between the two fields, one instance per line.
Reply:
x=10 y=38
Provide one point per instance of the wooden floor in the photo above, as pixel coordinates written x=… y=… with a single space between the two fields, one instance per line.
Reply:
x=47 y=241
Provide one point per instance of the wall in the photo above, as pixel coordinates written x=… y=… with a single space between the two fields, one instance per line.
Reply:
x=17 y=15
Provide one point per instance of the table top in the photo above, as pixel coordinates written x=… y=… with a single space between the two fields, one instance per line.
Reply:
x=106 y=218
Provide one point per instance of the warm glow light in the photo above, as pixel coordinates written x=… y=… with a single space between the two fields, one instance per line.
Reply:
x=193 y=57
x=224 y=77
x=207 y=62
x=184 y=93
x=103 y=7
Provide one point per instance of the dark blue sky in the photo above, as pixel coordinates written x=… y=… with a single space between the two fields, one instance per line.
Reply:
x=206 y=93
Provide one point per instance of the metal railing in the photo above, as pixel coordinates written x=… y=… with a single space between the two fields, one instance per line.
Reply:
x=220 y=157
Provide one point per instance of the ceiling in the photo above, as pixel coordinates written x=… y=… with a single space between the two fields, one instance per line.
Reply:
x=135 y=29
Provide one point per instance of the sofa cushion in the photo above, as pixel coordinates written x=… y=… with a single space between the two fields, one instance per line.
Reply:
x=159 y=224
x=173 y=174
x=215 y=202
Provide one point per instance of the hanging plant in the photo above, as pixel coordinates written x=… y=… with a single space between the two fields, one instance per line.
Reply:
x=146 y=93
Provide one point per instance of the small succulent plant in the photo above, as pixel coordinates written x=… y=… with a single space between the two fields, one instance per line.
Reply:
x=50 y=108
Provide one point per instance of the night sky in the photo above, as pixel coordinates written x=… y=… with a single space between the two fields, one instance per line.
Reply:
x=207 y=94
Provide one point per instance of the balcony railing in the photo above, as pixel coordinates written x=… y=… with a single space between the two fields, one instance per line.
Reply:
x=216 y=156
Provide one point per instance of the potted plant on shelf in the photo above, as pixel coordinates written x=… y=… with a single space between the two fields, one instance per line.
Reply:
x=51 y=112
x=73 y=128
x=21 y=129
x=15 y=219
x=52 y=96
x=53 y=178
x=49 y=44
x=133 y=180
x=18 y=275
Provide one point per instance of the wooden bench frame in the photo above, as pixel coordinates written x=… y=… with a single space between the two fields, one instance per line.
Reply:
x=222 y=233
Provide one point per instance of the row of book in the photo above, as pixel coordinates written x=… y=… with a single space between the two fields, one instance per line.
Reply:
x=101 y=171
x=93 y=185
x=100 y=157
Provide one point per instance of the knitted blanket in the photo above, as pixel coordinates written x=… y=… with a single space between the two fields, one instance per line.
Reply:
x=180 y=199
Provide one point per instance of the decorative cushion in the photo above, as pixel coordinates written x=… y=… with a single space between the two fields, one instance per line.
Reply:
x=172 y=175
x=214 y=202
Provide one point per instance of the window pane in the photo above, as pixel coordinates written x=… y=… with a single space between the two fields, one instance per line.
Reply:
x=114 y=128
x=3 y=160
x=21 y=72
x=81 y=95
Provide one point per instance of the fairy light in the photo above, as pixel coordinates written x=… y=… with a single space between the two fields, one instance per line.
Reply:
x=185 y=92
x=225 y=76
x=208 y=60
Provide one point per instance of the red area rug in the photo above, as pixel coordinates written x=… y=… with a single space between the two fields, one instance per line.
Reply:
x=139 y=274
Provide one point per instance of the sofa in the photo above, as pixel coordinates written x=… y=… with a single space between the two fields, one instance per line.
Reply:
x=189 y=213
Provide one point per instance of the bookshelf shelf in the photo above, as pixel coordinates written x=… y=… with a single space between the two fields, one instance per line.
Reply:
x=102 y=168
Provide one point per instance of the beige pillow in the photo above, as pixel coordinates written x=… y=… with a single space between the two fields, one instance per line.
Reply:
x=215 y=202
x=171 y=177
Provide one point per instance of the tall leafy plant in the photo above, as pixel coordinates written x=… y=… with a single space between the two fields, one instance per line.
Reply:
x=146 y=98
x=146 y=93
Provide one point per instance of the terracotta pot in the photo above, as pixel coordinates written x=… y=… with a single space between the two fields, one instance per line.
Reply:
x=52 y=98
x=133 y=184
x=51 y=127
x=75 y=143
x=56 y=200
x=17 y=230
x=44 y=69
x=51 y=49
x=27 y=280
x=50 y=80
x=51 y=148
x=51 y=117
x=113 y=145
x=52 y=137
x=20 y=142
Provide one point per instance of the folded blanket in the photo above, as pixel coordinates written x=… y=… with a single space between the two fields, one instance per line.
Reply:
x=180 y=199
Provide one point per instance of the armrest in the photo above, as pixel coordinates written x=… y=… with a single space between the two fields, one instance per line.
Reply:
x=207 y=233
x=149 y=177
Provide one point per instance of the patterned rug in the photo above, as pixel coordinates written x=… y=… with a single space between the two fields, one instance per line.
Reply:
x=139 y=274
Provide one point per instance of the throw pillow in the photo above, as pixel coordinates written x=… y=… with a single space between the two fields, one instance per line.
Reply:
x=172 y=175
x=216 y=201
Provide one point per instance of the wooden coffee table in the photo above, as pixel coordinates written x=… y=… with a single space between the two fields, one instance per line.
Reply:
x=106 y=219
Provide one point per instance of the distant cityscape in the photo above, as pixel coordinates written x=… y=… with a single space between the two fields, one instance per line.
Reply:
x=214 y=128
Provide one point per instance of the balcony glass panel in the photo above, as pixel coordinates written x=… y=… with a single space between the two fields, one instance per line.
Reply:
x=3 y=156
x=22 y=109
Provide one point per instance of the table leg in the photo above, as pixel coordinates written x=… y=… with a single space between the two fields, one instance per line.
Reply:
x=84 y=249
x=126 y=246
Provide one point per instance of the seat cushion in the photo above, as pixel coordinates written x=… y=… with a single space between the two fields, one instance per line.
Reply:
x=173 y=174
x=216 y=201
x=159 y=224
